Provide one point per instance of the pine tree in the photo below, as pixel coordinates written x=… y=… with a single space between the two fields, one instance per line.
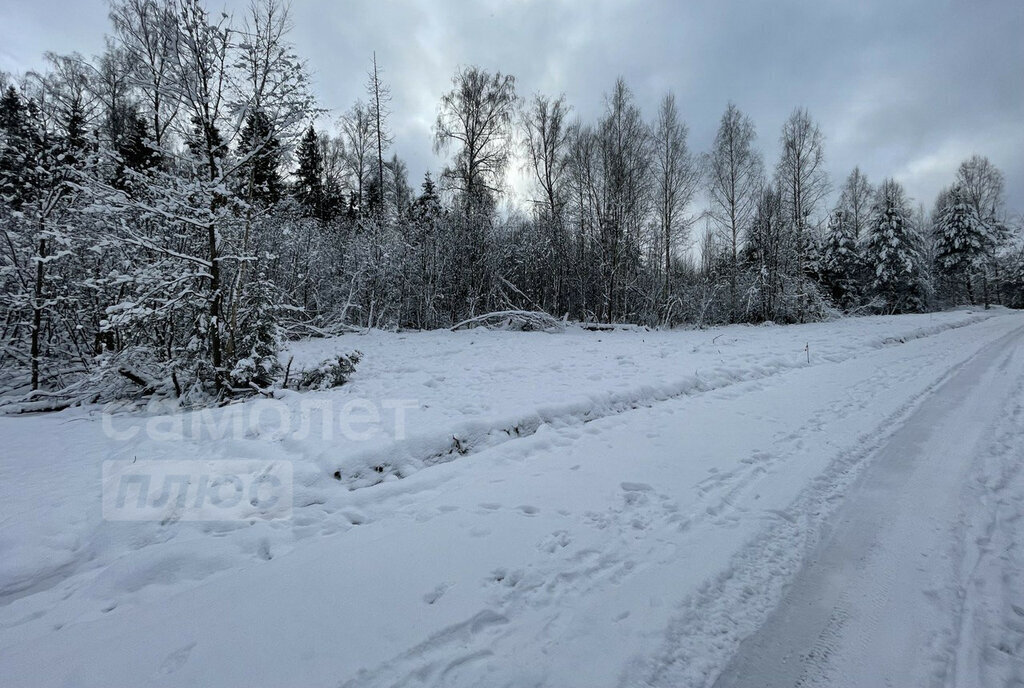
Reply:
x=894 y=251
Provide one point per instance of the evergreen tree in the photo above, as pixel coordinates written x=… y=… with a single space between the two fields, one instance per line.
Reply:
x=134 y=148
x=429 y=201
x=12 y=111
x=259 y=336
x=894 y=250
x=206 y=144
x=962 y=239
x=257 y=140
x=74 y=142
x=309 y=189
x=17 y=152
x=841 y=262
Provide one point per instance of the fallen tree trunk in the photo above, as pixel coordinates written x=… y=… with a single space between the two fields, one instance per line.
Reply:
x=524 y=321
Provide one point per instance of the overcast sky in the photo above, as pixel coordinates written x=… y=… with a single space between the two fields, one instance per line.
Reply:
x=902 y=88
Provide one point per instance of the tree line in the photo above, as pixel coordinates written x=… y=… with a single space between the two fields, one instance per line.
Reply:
x=170 y=214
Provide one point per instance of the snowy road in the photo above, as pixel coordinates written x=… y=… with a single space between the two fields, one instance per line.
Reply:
x=883 y=600
x=849 y=522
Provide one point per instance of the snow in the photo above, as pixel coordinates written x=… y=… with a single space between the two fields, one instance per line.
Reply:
x=530 y=509
x=890 y=582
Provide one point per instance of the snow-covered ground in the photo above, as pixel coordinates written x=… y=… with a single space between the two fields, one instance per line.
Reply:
x=835 y=504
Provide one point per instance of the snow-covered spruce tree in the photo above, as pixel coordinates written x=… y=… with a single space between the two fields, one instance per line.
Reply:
x=1011 y=262
x=841 y=264
x=894 y=252
x=259 y=338
x=855 y=200
x=963 y=241
x=308 y=188
x=260 y=178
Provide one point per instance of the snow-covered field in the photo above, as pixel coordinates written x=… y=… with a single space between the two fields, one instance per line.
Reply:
x=830 y=504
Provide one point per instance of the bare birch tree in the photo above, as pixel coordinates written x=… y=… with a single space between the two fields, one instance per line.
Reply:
x=676 y=177
x=801 y=176
x=476 y=118
x=735 y=175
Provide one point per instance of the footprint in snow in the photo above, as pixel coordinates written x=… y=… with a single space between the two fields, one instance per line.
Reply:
x=506 y=578
x=528 y=510
x=779 y=513
x=354 y=516
x=175 y=660
x=437 y=593
x=559 y=539
x=757 y=457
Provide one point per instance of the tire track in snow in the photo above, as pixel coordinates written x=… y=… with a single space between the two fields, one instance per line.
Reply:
x=986 y=646
x=712 y=623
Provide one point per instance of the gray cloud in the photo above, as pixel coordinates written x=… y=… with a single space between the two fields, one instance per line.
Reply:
x=904 y=89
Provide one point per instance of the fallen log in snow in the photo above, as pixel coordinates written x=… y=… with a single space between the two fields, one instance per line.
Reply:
x=523 y=321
